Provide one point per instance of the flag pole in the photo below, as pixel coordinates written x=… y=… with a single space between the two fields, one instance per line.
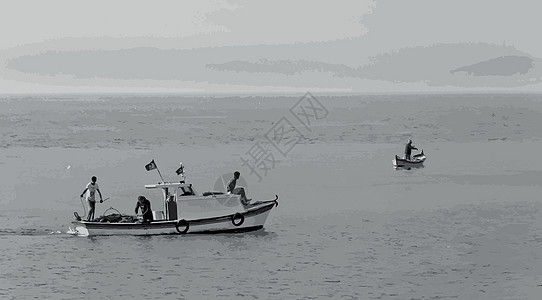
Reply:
x=160 y=174
x=151 y=166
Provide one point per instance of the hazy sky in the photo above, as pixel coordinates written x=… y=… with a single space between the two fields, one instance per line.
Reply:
x=268 y=46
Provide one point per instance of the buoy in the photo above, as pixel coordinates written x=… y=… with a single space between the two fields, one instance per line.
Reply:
x=237 y=216
x=182 y=224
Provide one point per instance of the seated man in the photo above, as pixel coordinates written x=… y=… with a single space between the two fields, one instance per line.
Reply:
x=237 y=191
x=145 y=206
x=187 y=191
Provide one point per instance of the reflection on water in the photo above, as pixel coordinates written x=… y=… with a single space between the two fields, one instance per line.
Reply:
x=399 y=167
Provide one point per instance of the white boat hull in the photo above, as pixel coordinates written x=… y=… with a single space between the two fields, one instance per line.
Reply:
x=416 y=161
x=251 y=219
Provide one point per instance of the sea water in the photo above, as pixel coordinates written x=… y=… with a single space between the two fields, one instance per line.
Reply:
x=348 y=226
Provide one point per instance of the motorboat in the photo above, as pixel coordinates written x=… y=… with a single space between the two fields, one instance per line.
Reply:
x=184 y=212
x=415 y=161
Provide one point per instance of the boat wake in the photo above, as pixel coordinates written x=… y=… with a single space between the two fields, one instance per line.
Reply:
x=29 y=232
x=72 y=231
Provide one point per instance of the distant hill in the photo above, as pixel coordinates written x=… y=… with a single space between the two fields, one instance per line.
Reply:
x=500 y=66
x=439 y=65
x=457 y=64
x=460 y=65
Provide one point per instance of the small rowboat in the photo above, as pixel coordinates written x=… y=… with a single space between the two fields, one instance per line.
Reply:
x=184 y=212
x=415 y=162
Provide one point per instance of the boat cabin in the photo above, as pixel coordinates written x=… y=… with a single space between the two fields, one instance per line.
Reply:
x=181 y=201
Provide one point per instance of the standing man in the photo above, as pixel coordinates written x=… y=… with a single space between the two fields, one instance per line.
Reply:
x=231 y=189
x=408 y=149
x=90 y=190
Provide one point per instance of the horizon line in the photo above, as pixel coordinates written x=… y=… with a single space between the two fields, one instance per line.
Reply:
x=283 y=94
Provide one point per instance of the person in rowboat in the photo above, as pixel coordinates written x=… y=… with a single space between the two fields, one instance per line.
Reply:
x=408 y=149
x=90 y=190
x=231 y=189
x=145 y=205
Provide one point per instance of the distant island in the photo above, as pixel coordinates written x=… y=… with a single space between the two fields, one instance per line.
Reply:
x=500 y=66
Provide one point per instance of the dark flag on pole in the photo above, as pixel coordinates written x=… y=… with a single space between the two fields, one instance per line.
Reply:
x=150 y=166
x=180 y=170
